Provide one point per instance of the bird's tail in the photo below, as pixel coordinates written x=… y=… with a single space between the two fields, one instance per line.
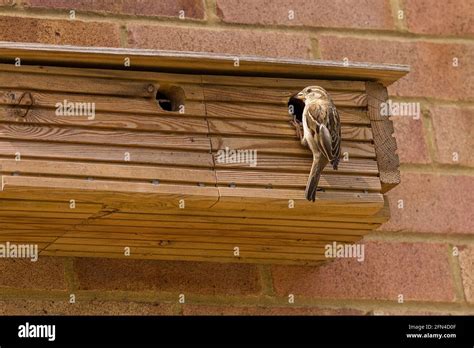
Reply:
x=313 y=179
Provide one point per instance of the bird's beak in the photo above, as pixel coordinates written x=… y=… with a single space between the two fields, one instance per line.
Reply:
x=300 y=96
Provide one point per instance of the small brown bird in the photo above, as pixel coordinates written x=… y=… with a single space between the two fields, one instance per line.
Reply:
x=321 y=133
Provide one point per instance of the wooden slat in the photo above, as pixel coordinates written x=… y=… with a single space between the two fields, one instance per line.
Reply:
x=43 y=214
x=236 y=220
x=109 y=191
x=293 y=180
x=302 y=165
x=320 y=234
x=24 y=221
x=126 y=225
x=35 y=227
x=112 y=74
x=291 y=147
x=47 y=206
x=19 y=79
x=206 y=253
x=102 y=103
x=110 y=137
x=274 y=95
x=385 y=143
x=169 y=238
x=168 y=123
x=277 y=200
x=91 y=85
x=284 y=195
x=118 y=171
x=248 y=111
x=172 y=245
x=90 y=152
x=273 y=129
x=56 y=251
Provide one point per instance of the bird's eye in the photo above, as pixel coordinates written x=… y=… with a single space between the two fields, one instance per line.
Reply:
x=309 y=90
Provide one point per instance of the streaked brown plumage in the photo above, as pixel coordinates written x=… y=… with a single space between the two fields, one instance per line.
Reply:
x=321 y=133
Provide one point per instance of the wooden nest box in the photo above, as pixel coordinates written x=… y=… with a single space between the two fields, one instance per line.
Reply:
x=184 y=156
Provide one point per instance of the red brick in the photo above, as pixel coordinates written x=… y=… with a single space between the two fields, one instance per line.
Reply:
x=368 y=14
x=59 y=32
x=258 y=310
x=185 y=277
x=420 y=272
x=432 y=73
x=449 y=17
x=466 y=261
x=166 y=8
x=237 y=42
x=432 y=203
x=7 y=3
x=453 y=128
x=44 y=307
x=411 y=141
x=45 y=274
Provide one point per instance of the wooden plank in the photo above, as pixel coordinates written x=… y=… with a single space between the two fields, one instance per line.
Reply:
x=126 y=225
x=248 y=111
x=205 y=63
x=301 y=165
x=331 y=85
x=99 y=137
x=244 y=251
x=295 y=216
x=92 y=85
x=270 y=220
x=278 y=201
x=151 y=256
x=274 y=95
x=109 y=191
x=48 y=206
x=277 y=129
x=168 y=123
x=35 y=227
x=385 y=143
x=111 y=74
x=102 y=170
x=43 y=214
x=287 y=163
x=286 y=194
x=25 y=220
x=296 y=180
x=20 y=79
x=290 y=147
x=320 y=234
x=101 y=103
x=169 y=238
x=173 y=245
x=90 y=152
x=31 y=234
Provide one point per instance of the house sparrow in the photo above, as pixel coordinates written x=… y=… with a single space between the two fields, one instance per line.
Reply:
x=321 y=133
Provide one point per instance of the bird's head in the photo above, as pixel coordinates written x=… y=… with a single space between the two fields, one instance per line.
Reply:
x=312 y=93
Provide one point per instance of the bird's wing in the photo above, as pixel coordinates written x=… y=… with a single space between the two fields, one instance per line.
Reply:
x=324 y=142
x=334 y=125
x=312 y=116
x=317 y=122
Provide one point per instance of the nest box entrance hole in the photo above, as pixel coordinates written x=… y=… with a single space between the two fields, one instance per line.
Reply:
x=170 y=98
x=295 y=108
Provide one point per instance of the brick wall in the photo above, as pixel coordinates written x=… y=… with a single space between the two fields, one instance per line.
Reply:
x=426 y=251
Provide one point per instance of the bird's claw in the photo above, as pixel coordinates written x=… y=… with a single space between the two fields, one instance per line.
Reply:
x=298 y=127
